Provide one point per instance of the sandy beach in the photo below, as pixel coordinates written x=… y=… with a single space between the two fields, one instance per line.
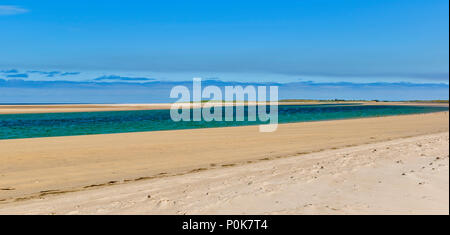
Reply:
x=224 y=108
x=43 y=167
x=404 y=176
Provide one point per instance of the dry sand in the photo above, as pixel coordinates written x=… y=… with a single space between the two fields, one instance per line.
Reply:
x=33 y=168
x=404 y=176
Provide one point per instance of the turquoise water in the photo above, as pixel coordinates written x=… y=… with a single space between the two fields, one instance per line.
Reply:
x=14 y=126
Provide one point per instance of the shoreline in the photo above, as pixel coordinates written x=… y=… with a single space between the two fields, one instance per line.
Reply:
x=219 y=127
x=401 y=176
x=68 y=108
x=38 y=167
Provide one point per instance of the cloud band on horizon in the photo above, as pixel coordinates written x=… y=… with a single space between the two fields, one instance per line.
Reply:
x=20 y=91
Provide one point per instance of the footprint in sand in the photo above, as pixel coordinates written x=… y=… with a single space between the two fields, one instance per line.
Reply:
x=7 y=189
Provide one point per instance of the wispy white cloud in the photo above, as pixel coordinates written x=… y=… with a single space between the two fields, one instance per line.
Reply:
x=12 y=10
x=120 y=78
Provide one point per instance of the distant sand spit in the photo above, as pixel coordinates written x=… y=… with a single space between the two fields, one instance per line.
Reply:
x=63 y=108
x=403 y=176
x=33 y=168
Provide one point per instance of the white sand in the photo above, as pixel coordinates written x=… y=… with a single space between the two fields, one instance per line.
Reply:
x=403 y=176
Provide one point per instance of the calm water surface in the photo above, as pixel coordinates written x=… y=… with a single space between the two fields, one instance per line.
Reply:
x=13 y=126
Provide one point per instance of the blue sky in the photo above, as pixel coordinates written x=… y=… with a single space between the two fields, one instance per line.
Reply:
x=272 y=41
